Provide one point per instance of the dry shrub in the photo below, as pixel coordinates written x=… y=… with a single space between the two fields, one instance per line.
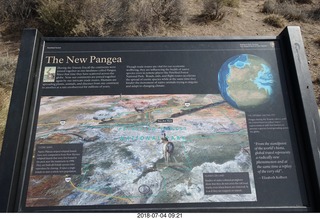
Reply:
x=291 y=12
x=17 y=10
x=101 y=17
x=108 y=17
x=275 y=21
x=304 y=1
x=141 y=18
x=232 y=3
x=168 y=12
x=60 y=17
x=212 y=10
x=315 y=14
x=149 y=16
x=295 y=1
x=83 y=17
x=269 y=7
x=287 y=9
x=15 y=15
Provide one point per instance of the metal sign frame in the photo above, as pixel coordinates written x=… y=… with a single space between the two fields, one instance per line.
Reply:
x=301 y=104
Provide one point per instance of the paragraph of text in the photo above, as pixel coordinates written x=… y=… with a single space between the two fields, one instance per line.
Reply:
x=58 y=159
x=158 y=76
x=272 y=160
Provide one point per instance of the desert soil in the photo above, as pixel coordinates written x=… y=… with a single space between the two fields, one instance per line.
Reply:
x=246 y=20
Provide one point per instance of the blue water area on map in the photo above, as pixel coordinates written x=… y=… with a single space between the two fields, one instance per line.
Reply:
x=240 y=62
x=264 y=79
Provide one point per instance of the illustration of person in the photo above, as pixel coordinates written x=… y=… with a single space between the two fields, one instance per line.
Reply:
x=167 y=148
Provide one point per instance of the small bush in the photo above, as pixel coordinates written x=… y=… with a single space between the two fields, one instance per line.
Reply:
x=304 y=1
x=288 y=9
x=275 y=21
x=295 y=1
x=149 y=16
x=269 y=7
x=60 y=17
x=140 y=18
x=16 y=15
x=232 y=3
x=315 y=14
x=169 y=12
x=291 y=12
x=212 y=10
x=118 y=16
x=18 y=10
x=101 y=17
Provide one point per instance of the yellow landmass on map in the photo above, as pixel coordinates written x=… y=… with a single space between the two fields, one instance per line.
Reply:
x=242 y=88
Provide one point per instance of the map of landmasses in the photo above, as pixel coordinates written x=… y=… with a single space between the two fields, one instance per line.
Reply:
x=246 y=81
x=122 y=158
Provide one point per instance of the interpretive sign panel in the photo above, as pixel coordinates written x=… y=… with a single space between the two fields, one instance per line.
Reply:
x=148 y=124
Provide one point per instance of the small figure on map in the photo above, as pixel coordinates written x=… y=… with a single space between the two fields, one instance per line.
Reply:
x=139 y=110
x=167 y=148
x=104 y=117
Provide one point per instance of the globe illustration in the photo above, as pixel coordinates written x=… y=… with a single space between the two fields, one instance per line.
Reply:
x=246 y=82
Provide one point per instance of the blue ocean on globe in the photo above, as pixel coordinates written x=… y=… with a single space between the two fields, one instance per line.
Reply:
x=262 y=79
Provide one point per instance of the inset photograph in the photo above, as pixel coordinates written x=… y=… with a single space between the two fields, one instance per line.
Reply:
x=49 y=74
